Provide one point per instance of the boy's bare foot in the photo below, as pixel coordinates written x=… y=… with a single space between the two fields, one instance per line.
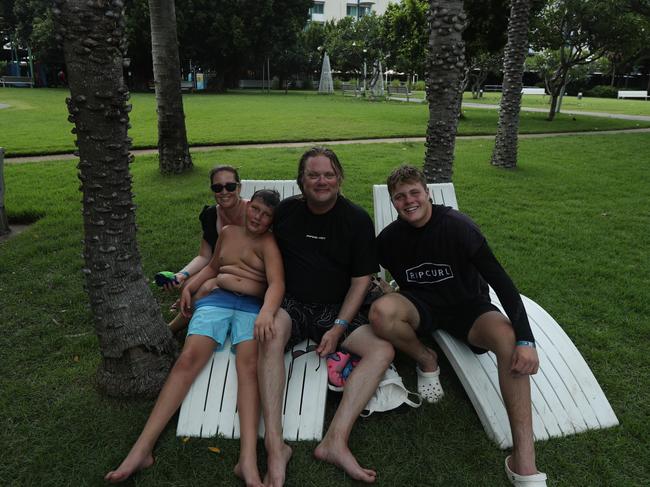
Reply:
x=278 y=458
x=248 y=473
x=178 y=323
x=342 y=457
x=134 y=462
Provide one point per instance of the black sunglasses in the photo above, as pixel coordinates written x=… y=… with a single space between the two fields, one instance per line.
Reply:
x=299 y=353
x=218 y=188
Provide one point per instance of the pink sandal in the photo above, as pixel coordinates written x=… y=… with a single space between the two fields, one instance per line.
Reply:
x=336 y=362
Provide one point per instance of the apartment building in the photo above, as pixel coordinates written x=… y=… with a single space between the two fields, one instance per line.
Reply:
x=324 y=10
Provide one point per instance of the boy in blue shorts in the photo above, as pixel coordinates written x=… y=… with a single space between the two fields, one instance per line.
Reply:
x=249 y=273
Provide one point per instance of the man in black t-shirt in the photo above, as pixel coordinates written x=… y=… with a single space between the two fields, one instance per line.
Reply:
x=328 y=247
x=443 y=265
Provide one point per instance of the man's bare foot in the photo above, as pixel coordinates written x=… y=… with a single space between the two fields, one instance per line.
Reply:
x=278 y=458
x=135 y=461
x=343 y=458
x=248 y=473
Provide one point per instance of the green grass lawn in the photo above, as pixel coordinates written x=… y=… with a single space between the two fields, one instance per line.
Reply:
x=35 y=121
x=571 y=103
x=570 y=225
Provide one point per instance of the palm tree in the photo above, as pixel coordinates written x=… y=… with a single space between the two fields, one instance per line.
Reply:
x=173 y=150
x=505 y=146
x=445 y=67
x=137 y=348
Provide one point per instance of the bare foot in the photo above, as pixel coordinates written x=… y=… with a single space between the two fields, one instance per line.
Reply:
x=178 y=323
x=249 y=474
x=135 y=461
x=342 y=457
x=277 y=464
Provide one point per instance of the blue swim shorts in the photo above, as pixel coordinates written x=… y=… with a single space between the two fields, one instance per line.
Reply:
x=222 y=312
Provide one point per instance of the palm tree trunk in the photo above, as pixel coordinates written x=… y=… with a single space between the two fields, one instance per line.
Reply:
x=173 y=150
x=505 y=146
x=136 y=346
x=445 y=67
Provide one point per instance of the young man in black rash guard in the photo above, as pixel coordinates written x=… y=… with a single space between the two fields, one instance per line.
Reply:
x=328 y=247
x=443 y=265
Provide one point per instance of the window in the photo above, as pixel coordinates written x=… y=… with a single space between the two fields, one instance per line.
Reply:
x=317 y=8
x=362 y=10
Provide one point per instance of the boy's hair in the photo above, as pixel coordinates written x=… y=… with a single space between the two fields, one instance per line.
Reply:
x=224 y=167
x=319 y=151
x=269 y=197
x=405 y=174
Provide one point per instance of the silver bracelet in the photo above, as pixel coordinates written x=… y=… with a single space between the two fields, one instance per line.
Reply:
x=524 y=343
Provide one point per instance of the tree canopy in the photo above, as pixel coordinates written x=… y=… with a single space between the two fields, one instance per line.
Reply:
x=234 y=38
x=572 y=33
x=405 y=30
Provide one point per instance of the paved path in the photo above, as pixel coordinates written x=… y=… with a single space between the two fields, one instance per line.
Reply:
x=392 y=140
x=16 y=229
x=410 y=99
x=643 y=118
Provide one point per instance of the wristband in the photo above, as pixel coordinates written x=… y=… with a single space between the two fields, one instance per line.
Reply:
x=185 y=273
x=342 y=323
x=524 y=343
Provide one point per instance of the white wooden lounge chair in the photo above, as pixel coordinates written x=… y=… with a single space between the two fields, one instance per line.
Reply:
x=566 y=397
x=210 y=407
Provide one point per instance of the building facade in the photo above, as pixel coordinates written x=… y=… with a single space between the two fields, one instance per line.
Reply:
x=325 y=10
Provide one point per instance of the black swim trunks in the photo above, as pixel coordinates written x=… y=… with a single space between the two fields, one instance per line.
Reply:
x=313 y=320
x=456 y=320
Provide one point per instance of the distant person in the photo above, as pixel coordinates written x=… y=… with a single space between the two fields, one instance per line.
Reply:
x=443 y=265
x=229 y=209
x=328 y=248
x=247 y=267
x=61 y=77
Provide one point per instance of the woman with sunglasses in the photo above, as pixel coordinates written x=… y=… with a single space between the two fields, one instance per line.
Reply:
x=229 y=209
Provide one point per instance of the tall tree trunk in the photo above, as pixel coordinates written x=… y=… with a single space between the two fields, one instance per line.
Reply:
x=505 y=145
x=173 y=150
x=555 y=97
x=137 y=348
x=556 y=85
x=4 y=222
x=445 y=67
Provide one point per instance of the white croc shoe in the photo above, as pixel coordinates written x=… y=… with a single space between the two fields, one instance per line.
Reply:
x=535 y=480
x=429 y=385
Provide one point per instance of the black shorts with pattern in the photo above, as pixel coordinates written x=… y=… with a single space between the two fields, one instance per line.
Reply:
x=313 y=320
